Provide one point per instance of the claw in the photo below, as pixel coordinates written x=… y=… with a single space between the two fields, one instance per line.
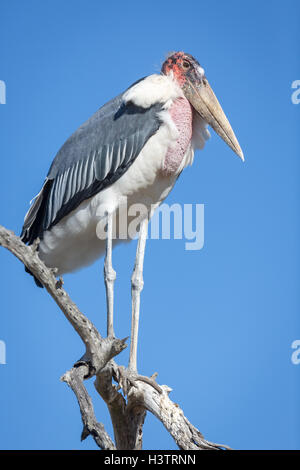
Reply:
x=59 y=283
x=127 y=379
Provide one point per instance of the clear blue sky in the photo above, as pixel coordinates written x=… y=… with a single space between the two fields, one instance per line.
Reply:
x=217 y=324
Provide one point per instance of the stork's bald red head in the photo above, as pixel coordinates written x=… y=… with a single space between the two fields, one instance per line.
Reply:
x=189 y=75
x=183 y=66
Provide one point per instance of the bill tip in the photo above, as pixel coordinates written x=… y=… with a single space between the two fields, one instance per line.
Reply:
x=240 y=154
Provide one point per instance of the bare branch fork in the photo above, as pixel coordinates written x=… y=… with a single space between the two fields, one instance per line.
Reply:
x=143 y=394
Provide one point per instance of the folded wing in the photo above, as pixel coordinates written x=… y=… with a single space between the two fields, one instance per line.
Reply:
x=93 y=158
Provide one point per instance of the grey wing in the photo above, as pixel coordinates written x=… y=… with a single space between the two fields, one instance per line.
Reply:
x=93 y=158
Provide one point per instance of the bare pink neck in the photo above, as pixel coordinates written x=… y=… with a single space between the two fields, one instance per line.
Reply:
x=182 y=114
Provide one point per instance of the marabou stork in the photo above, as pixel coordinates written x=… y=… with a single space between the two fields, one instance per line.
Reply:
x=135 y=146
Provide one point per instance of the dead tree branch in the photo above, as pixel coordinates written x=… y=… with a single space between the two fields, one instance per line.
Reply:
x=143 y=393
x=74 y=378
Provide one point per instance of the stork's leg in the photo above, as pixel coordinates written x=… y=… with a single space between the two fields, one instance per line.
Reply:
x=109 y=277
x=137 y=284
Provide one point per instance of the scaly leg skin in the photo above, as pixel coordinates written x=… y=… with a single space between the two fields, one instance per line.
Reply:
x=127 y=378
x=109 y=278
x=137 y=284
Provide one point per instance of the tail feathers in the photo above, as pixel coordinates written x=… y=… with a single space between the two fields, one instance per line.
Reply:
x=34 y=220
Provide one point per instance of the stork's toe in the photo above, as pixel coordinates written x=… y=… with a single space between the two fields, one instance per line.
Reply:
x=128 y=378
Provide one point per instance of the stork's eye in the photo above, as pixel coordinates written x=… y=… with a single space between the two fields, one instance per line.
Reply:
x=186 y=65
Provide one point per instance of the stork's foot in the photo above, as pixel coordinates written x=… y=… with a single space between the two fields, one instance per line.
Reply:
x=128 y=378
x=125 y=378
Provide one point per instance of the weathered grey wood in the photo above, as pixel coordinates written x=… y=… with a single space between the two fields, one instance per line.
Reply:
x=74 y=378
x=143 y=393
x=186 y=436
x=127 y=423
x=143 y=396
